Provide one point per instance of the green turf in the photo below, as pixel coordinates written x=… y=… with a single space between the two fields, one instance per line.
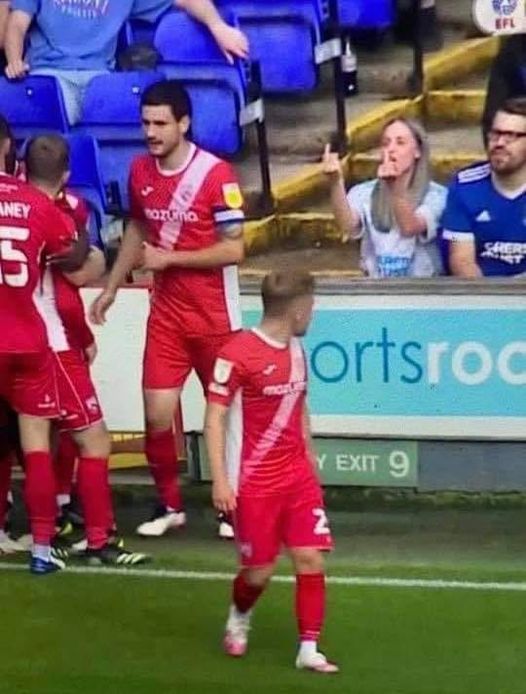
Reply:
x=82 y=635
x=70 y=634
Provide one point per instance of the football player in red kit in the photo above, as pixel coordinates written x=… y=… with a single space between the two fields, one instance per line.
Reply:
x=47 y=168
x=32 y=233
x=187 y=227
x=263 y=466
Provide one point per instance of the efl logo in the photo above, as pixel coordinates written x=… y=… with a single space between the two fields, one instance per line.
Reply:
x=500 y=16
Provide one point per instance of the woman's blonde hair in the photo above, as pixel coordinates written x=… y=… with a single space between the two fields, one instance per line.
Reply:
x=382 y=214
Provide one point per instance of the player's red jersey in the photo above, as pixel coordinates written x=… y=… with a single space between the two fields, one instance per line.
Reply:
x=265 y=384
x=185 y=210
x=67 y=296
x=30 y=228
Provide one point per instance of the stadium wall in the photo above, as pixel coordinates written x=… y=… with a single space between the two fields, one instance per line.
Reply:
x=429 y=378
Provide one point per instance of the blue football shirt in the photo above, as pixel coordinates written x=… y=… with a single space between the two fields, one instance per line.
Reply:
x=477 y=211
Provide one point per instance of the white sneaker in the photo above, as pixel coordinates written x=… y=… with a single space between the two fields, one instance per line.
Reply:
x=26 y=542
x=316 y=662
x=80 y=546
x=237 y=627
x=10 y=546
x=225 y=530
x=161 y=521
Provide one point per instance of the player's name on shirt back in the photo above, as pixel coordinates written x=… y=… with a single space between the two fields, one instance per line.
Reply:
x=15 y=210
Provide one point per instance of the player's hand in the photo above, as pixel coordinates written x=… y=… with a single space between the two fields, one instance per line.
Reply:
x=223 y=497
x=91 y=353
x=331 y=165
x=98 y=309
x=154 y=259
x=16 y=69
x=230 y=40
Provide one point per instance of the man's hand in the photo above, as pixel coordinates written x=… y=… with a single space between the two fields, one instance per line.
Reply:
x=230 y=40
x=91 y=353
x=223 y=497
x=98 y=309
x=155 y=259
x=17 y=69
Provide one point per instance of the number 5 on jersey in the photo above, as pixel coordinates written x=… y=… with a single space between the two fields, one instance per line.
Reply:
x=12 y=255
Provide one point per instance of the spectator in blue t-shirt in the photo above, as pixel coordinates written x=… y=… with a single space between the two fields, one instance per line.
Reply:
x=76 y=40
x=485 y=217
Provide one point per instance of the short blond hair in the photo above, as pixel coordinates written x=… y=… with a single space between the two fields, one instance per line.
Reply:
x=278 y=289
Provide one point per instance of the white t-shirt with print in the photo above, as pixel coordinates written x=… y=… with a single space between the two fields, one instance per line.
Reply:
x=390 y=254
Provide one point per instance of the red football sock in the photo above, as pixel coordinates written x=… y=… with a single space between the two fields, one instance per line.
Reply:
x=162 y=458
x=40 y=496
x=65 y=459
x=244 y=596
x=5 y=484
x=95 y=497
x=310 y=605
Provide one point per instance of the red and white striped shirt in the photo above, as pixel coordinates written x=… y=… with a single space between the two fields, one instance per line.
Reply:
x=265 y=383
x=187 y=210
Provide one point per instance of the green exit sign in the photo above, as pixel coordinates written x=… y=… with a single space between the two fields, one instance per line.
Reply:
x=358 y=463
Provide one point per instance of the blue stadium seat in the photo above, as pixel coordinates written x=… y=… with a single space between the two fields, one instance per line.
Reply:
x=86 y=174
x=199 y=52
x=32 y=105
x=283 y=37
x=215 y=86
x=111 y=114
x=364 y=14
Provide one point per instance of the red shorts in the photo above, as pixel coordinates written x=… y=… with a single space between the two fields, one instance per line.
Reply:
x=295 y=519
x=169 y=358
x=79 y=405
x=28 y=383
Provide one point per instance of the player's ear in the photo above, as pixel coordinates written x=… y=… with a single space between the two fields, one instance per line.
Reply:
x=184 y=125
x=7 y=152
x=64 y=179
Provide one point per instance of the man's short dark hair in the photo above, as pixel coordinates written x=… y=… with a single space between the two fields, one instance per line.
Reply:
x=515 y=106
x=168 y=93
x=47 y=158
x=6 y=134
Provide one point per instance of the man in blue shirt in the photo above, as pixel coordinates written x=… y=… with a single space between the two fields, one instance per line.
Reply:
x=76 y=40
x=485 y=216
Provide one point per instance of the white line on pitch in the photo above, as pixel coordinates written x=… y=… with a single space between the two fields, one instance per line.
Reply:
x=364 y=581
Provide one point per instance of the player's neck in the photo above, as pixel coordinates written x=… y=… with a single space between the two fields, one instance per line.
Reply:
x=50 y=191
x=176 y=159
x=276 y=330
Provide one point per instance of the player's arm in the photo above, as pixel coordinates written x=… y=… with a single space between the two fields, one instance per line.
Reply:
x=231 y=41
x=72 y=259
x=17 y=27
x=64 y=248
x=229 y=250
x=307 y=433
x=227 y=379
x=91 y=271
x=223 y=496
x=128 y=258
x=462 y=257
